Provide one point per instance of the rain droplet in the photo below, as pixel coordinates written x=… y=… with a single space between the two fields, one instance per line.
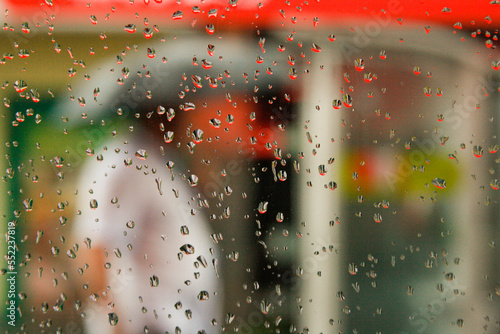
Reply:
x=216 y=123
x=315 y=47
x=197 y=136
x=184 y=230
x=477 y=151
x=71 y=253
x=201 y=259
x=28 y=204
x=187 y=249
x=210 y=28
x=151 y=53
x=25 y=28
x=113 y=319
x=359 y=64
x=347 y=99
x=263 y=207
x=93 y=204
x=20 y=86
x=265 y=306
x=154 y=281
x=337 y=104
x=440 y=183
x=210 y=49
x=322 y=169
x=141 y=154
x=193 y=180
x=203 y=295
x=148 y=32
x=168 y=136
x=353 y=268
x=177 y=15
x=130 y=28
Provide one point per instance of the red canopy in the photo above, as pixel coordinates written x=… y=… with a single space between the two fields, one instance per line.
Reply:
x=261 y=14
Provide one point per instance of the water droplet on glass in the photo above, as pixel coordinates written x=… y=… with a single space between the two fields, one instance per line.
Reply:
x=440 y=183
x=113 y=319
x=154 y=281
x=263 y=207
x=28 y=204
x=177 y=15
x=449 y=276
x=197 y=136
x=201 y=259
x=148 y=32
x=130 y=28
x=25 y=28
x=168 y=136
x=282 y=175
x=184 y=230
x=216 y=123
x=20 y=86
x=315 y=47
x=265 y=306
x=93 y=204
x=477 y=151
x=359 y=64
x=151 y=53
x=141 y=154
x=203 y=295
x=210 y=28
x=337 y=104
x=347 y=99
x=187 y=249
x=71 y=253
x=322 y=169
x=193 y=180
x=353 y=268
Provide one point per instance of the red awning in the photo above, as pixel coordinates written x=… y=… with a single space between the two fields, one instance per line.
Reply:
x=262 y=14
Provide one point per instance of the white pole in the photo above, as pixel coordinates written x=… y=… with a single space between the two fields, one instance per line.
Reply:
x=320 y=267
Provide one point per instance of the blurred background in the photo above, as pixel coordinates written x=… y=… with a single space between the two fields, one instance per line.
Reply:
x=345 y=154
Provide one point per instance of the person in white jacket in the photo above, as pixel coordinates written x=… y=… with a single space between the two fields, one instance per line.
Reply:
x=149 y=264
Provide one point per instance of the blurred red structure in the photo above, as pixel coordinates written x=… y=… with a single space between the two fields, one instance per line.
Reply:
x=266 y=14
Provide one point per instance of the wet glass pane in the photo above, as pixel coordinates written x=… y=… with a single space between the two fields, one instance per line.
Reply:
x=208 y=166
